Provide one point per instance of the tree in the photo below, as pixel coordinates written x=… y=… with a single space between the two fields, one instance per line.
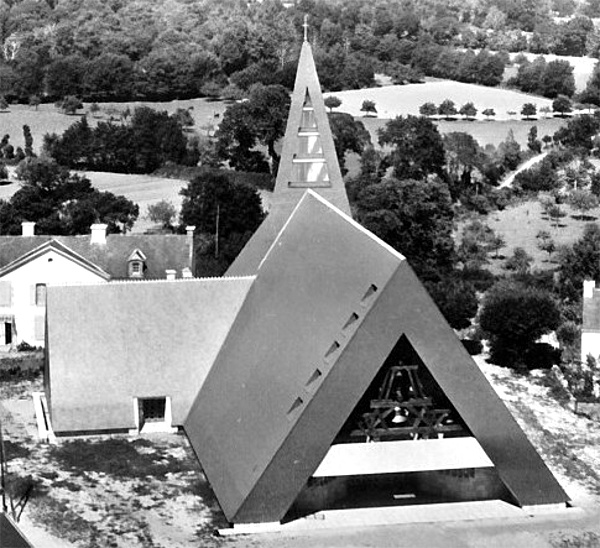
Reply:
x=533 y=143
x=3 y=103
x=163 y=212
x=545 y=111
x=528 y=110
x=545 y=242
x=70 y=104
x=417 y=147
x=463 y=157
x=428 y=110
x=28 y=138
x=510 y=151
x=468 y=110
x=578 y=133
x=225 y=214
x=184 y=117
x=489 y=112
x=332 y=102
x=35 y=101
x=456 y=300
x=562 y=104
x=368 y=107
x=414 y=217
x=555 y=213
x=520 y=261
x=514 y=317
x=583 y=201
x=447 y=109
x=349 y=135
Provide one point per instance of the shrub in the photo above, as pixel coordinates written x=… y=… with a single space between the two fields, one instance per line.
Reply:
x=473 y=347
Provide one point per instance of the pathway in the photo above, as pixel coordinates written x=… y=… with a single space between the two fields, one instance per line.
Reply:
x=508 y=180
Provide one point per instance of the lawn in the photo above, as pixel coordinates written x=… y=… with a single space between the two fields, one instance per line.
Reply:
x=520 y=224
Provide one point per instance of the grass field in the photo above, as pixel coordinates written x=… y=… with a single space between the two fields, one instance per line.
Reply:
x=520 y=224
x=48 y=119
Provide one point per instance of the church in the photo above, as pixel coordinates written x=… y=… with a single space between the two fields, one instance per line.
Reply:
x=316 y=374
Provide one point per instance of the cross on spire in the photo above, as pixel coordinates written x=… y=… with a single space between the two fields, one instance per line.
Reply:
x=305 y=25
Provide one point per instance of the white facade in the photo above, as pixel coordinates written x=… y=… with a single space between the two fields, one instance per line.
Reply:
x=22 y=295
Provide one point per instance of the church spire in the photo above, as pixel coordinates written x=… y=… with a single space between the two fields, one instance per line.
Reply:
x=308 y=160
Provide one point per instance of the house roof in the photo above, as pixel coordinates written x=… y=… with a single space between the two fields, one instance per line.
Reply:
x=146 y=338
x=10 y=534
x=308 y=160
x=162 y=252
x=591 y=313
x=329 y=304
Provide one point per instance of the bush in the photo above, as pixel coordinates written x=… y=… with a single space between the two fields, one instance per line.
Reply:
x=473 y=347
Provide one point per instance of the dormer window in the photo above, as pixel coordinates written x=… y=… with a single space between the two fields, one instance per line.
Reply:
x=136 y=264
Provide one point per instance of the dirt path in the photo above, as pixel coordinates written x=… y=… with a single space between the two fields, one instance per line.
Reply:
x=508 y=180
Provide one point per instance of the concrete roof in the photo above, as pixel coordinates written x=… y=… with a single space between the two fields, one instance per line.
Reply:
x=329 y=304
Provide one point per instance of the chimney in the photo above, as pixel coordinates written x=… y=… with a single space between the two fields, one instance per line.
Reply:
x=28 y=228
x=186 y=273
x=189 y=230
x=98 y=233
x=171 y=273
x=588 y=288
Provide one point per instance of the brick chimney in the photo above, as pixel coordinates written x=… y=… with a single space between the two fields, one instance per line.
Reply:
x=27 y=228
x=171 y=273
x=98 y=233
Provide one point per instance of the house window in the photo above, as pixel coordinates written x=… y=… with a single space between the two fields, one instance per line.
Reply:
x=40 y=294
x=136 y=269
x=152 y=410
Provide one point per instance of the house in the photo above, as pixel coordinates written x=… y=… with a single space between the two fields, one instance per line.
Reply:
x=30 y=263
x=321 y=375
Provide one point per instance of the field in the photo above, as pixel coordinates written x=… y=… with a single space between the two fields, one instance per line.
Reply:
x=392 y=101
x=48 y=119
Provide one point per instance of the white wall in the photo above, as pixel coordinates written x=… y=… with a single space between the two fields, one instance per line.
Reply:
x=590 y=344
x=49 y=268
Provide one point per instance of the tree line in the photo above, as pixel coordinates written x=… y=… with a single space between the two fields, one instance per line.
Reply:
x=104 y=51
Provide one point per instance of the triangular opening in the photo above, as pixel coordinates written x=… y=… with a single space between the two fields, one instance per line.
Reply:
x=403 y=444
x=309 y=166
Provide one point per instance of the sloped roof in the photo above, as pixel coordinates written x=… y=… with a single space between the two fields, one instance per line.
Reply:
x=308 y=160
x=170 y=251
x=591 y=313
x=10 y=534
x=329 y=304
x=109 y=343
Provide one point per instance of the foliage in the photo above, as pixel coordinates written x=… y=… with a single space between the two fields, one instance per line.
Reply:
x=533 y=143
x=520 y=261
x=514 y=317
x=62 y=203
x=368 y=107
x=510 y=152
x=562 y=104
x=70 y=104
x=163 y=212
x=583 y=200
x=332 y=102
x=468 y=110
x=528 y=110
x=414 y=217
x=578 y=133
x=540 y=177
x=417 y=147
x=489 y=112
x=349 y=135
x=260 y=119
x=428 y=110
x=545 y=242
x=456 y=300
x=447 y=109
x=150 y=140
x=548 y=79
x=225 y=214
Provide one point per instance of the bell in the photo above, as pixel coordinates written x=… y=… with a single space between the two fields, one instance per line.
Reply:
x=398 y=416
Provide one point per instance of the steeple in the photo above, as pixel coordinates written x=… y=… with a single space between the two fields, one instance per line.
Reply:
x=308 y=160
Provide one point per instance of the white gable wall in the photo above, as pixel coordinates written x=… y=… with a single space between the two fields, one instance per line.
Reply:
x=49 y=268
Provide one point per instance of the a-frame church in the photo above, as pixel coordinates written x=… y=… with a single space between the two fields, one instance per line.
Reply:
x=317 y=374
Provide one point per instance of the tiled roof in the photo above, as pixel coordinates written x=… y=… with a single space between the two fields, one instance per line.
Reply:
x=591 y=313
x=162 y=251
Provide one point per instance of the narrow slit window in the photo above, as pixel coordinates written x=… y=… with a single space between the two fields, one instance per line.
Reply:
x=370 y=292
x=317 y=374
x=333 y=348
x=352 y=319
x=297 y=403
